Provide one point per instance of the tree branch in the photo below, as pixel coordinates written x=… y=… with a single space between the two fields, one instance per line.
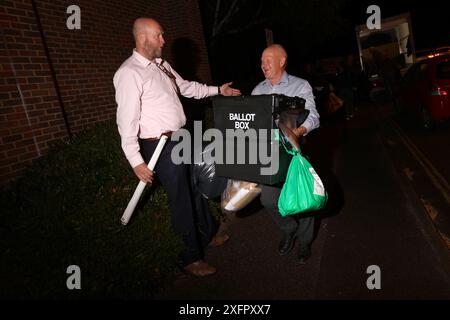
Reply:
x=218 y=26
x=248 y=26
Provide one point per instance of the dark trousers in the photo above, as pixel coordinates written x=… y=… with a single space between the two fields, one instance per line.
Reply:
x=189 y=210
x=302 y=226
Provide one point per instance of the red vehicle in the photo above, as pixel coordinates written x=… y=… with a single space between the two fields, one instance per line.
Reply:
x=426 y=88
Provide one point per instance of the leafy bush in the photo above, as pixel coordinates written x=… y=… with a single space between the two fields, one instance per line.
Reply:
x=66 y=211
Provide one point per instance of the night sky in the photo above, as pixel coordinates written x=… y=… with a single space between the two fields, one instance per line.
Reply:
x=430 y=19
x=324 y=33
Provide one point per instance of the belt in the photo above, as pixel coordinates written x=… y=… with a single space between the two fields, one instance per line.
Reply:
x=168 y=134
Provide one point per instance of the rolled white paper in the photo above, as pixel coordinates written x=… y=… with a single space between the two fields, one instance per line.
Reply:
x=140 y=187
x=231 y=206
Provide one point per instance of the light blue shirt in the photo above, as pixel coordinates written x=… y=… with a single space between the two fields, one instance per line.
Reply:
x=292 y=86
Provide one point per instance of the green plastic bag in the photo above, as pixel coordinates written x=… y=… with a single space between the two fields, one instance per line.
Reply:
x=303 y=190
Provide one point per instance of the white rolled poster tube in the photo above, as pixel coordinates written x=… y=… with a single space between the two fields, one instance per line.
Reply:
x=140 y=187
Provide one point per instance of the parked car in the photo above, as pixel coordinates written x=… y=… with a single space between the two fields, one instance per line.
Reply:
x=431 y=53
x=425 y=90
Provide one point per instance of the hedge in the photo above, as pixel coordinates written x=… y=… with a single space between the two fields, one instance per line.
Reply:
x=66 y=211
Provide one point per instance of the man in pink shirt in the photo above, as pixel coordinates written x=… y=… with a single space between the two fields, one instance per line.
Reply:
x=147 y=90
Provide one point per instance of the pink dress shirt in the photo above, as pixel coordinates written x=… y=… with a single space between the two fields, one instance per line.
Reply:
x=148 y=103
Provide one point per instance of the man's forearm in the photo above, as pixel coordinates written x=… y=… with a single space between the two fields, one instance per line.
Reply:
x=300 y=131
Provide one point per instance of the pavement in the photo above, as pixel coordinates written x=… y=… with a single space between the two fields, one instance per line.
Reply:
x=373 y=218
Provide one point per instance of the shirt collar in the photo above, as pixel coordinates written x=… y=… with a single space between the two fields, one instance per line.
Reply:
x=143 y=60
x=284 y=80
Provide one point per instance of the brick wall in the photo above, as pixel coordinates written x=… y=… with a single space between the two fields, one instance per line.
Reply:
x=84 y=62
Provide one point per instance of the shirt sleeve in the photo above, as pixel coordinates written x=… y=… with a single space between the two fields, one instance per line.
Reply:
x=313 y=120
x=255 y=91
x=128 y=87
x=193 y=89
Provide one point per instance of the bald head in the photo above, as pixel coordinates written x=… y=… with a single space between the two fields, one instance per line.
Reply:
x=148 y=35
x=141 y=25
x=277 y=49
x=273 y=62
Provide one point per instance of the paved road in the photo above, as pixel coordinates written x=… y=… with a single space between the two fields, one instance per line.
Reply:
x=435 y=144
x=423 y=158
x=374 y=218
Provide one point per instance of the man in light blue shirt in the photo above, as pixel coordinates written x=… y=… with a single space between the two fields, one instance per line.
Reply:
x=273 y=65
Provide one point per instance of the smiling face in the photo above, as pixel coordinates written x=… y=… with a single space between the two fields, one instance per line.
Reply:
x=273 y=63
x=149 y=38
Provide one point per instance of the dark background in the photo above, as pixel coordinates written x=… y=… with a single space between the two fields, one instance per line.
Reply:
x=309 y=30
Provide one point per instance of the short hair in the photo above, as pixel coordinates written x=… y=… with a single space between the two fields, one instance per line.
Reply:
x=139 y=25
x=280 y=48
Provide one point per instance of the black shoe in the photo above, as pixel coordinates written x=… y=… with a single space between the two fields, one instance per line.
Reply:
x=304 y=253
x=286 y=244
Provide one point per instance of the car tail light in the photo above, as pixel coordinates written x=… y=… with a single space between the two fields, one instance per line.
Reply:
x=436 y=90
x=434 y=55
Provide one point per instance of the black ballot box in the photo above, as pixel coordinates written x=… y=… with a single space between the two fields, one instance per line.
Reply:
x=251 y=151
